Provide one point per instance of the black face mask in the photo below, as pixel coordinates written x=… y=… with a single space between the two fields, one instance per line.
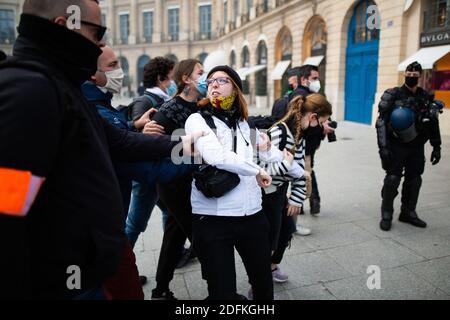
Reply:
x=311 y=131
x=411 y=81
x=291 y=87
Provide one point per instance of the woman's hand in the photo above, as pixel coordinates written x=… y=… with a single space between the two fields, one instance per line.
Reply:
x=189 y=140
x=263 y=178
x=288 y=156
x=265 y=144
x=293 y=211
x=139 y=124
x=153 y=128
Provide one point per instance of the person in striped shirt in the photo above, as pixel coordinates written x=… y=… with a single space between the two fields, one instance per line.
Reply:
x=289 y=136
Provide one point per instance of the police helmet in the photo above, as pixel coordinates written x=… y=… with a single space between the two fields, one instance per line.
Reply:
x=403 y=122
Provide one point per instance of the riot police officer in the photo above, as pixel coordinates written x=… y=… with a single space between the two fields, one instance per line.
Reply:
x=408 y=118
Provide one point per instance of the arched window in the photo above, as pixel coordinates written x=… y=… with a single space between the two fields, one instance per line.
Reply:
x=283 y=52
x=261 y=76
x=315 y=45
x=360 y=32
x=233 y=59
x=142 y=61
x=245 y=58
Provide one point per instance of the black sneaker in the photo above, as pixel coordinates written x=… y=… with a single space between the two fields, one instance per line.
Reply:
x=165 y=295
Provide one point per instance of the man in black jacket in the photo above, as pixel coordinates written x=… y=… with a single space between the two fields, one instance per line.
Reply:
x=61 y=213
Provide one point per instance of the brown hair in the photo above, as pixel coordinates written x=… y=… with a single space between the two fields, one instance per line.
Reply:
x=240 y=100
x=299 y=106
x=183 y=68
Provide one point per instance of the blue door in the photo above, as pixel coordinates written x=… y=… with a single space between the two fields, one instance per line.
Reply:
x=362 y=66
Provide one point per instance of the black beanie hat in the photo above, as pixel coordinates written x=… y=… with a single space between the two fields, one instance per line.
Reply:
x=229 y=71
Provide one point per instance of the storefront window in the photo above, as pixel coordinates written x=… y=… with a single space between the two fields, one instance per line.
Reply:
x=437 y=15
x=441 y=80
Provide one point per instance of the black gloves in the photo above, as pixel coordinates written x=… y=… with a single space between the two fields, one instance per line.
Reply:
x=386 y=157
x=435 y=155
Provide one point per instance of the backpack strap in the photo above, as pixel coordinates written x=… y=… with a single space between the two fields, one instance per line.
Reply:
x=152 y=99
x=253 y=132
x=210 y=122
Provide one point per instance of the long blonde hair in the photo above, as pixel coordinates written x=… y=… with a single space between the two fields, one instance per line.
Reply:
x=299 y=107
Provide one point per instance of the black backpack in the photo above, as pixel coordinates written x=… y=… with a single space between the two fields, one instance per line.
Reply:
x=280 y=108
x=149 y=100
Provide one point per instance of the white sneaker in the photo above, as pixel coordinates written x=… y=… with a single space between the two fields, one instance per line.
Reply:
x=302 y=231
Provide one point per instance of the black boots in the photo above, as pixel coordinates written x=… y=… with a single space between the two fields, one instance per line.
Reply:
x=410 y=195
x=412 y=218
x=388 y=193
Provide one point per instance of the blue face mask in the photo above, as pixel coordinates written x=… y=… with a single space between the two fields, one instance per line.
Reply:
x=202 y=87
x=172 y=89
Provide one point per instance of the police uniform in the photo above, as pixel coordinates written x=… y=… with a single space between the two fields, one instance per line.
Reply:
x=406 y=121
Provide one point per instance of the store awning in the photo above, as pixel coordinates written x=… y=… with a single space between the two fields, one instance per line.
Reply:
x=314 y=61
x=426 y=57
x=280 y=69
x=244 y=72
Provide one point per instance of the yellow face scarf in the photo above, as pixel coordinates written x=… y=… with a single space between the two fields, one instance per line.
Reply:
x=224 y=103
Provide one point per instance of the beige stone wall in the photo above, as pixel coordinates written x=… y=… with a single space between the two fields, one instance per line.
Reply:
x=399 y=38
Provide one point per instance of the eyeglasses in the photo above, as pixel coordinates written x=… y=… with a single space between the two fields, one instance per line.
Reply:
x=101 y=30
x=220 y=81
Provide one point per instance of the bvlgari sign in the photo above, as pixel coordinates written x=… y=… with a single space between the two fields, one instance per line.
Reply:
x=438 y=38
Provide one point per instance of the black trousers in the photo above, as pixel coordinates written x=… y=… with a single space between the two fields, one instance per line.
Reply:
x=281 y=225
x=176 y=197
x=214 y=240
x=407 y=161
x=273 y=204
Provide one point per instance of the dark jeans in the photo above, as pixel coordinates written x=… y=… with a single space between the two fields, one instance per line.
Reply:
x=143 y=200
x=176 y=197
x=214 y=240
x=140 y=178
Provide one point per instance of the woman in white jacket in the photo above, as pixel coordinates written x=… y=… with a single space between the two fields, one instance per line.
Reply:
x=235 y=220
